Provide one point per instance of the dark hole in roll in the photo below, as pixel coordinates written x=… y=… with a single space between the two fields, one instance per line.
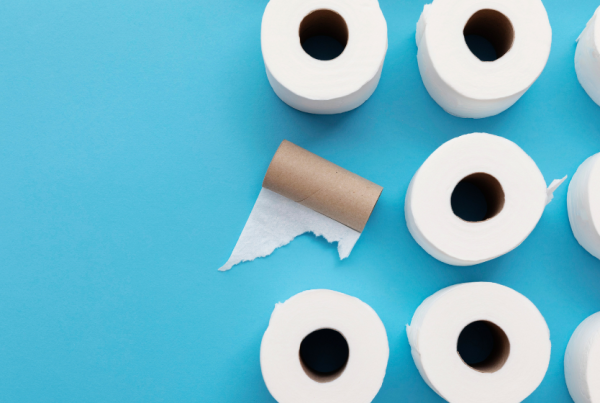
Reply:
x=483 y=346
x=324 y=354
x=489 y=27
x=323 y=34
x=477 y=197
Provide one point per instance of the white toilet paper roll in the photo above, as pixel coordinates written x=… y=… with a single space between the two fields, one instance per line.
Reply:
x=582 y=361
x=319 y=86
x=587 y=58
x=518 y=359
x=458 y=80
x=290 y=379
x=583 y=205
x=511 y=183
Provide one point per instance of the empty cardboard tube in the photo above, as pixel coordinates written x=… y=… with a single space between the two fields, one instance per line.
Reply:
x=322 y=186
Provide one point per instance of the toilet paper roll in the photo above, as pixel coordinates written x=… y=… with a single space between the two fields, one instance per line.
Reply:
x=303 y=192
x=287 y=373
x=582 y=361
x=511 y=183
x=461 y=83
x=583 y=205
x=324 y=86
x=587 y=58
x=520 y=351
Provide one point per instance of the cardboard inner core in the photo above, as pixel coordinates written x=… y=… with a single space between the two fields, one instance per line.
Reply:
x=325 y=23
x=500 y=351
x=493 y=26
x=322 y=186
x=323 y=355
x=492 y=192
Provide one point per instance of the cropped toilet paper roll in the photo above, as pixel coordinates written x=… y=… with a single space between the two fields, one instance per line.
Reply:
x=303 y=192
x=582 y=361
x=587 y=58
x=459 y=81
x=324 y=86
x=583 y=205
x=291 y=380
x=519 y=356
x=513 y=187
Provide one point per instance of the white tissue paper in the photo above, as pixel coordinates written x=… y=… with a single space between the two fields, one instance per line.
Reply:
x=448 y=238
x=582 y=361
x=276 y=220
x=587 y=58
x=459 y=81
x=284 y=374
x=519 y=358
x=324 y=86
x=583 y=205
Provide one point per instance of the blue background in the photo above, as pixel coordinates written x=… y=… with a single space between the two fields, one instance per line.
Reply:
x=135 y=137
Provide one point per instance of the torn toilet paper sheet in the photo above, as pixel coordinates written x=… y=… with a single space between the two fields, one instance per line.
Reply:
x=553 y=186
x=303 y=192
x=276 y=220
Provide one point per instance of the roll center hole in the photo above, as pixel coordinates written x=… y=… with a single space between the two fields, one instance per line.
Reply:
x=477 y=197
x=324 y=354
x=483 y=346
x=323 y=34
x=489 y=34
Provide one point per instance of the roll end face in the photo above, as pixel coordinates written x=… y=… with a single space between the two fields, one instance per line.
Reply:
x=417 y=235
x=453 y=102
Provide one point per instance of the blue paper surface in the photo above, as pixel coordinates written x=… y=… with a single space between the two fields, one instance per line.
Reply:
x=135 y=137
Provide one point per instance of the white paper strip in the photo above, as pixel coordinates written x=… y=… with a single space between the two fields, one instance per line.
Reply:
x=276 y=220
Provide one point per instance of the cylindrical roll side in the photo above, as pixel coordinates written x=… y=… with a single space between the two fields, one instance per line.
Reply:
x=587 y=59
x=577 y=360
x=579 y=207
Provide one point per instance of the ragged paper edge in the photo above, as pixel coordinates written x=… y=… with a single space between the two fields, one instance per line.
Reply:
x=275 y=221
x=588 y=24
x=553 y=186
x=422 y=23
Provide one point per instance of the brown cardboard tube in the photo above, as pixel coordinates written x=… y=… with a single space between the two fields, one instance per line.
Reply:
x=322 y=186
